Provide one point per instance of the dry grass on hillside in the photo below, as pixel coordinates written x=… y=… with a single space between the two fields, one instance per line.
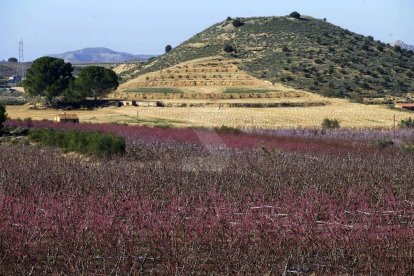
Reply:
x=123 y=68
x=205 y=72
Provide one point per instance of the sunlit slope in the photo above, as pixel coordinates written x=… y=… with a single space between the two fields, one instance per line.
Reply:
x=306 y=53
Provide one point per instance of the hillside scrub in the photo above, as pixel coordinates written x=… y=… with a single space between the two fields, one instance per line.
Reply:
x=309 y=54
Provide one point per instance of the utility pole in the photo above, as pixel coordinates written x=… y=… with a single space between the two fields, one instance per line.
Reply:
x=21 y=60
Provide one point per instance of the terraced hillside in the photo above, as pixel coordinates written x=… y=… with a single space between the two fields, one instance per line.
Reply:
x=215 y=71
x=305 y=53
x=211 y=78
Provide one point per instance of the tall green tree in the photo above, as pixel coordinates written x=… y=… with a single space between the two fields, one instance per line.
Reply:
x=48 y=77
x=12 y=59
x=94 y=81
x=3 y=115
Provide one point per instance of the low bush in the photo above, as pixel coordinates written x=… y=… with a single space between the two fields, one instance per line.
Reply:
x=90 y=143
x=13 y=100
x=229 y=49
x=409 y=148
x=228 y=129
x=407 y=123
x=330 y=123
x=383 y=143
x=285 y=49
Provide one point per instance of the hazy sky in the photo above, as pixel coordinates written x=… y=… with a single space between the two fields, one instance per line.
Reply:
x=146 y=26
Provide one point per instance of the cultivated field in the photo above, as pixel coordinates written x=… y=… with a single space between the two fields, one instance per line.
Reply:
x=351 y=115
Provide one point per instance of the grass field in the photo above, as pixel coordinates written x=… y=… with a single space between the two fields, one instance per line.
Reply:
x=350 y=115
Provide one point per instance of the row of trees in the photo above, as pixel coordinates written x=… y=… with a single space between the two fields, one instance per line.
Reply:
x=52 y=77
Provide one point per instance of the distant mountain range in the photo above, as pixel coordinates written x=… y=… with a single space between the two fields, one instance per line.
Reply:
x=404 y=46
x=99 y=55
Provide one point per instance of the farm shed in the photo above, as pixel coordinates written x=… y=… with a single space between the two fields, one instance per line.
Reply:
x=129 y=103
x=66 y=118
x=409 y=106
x=147 y=103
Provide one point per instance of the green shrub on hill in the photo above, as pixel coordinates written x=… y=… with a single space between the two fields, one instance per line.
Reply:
x=228 y=48
x=237 y=23
x=168 y=48
x=295 y=14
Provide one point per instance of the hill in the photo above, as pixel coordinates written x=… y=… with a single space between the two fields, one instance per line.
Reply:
x=305 y=53
x=99 y=55
x=404 y=46
x=8 y=69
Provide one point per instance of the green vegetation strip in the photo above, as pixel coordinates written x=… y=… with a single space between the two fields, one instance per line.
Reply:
x=246 y=90
x=89 y=143
x=154 y=90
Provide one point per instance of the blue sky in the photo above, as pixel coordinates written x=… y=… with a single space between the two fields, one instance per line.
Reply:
x=145 y=27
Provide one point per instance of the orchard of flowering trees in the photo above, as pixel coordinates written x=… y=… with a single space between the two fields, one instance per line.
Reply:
x=235 y=203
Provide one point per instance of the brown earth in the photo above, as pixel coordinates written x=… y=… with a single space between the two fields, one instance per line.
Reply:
x=210 y=78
